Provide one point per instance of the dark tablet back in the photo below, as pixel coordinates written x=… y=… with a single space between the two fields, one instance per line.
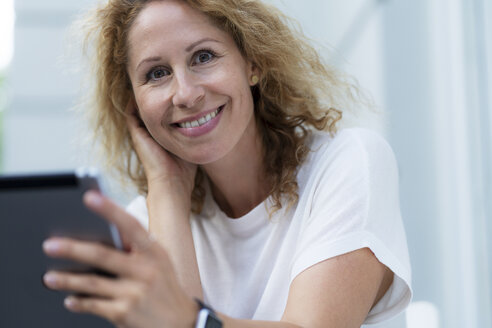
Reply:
x=32 y=208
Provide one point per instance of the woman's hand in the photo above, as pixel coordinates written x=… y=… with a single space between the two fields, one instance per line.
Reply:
x=145 y=291
x=160 y=166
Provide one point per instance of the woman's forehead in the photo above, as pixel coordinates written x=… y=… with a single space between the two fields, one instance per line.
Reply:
x=164 y=23
x=171 y=12
x=160 y=20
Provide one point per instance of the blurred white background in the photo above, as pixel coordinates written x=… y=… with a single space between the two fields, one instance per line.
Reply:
x=428 y=66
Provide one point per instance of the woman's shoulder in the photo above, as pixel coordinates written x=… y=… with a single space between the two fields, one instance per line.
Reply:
x=347 y=138
x=349 y=148
x=354 y=159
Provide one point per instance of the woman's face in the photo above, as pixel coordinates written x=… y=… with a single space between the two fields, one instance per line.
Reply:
x=191 y=83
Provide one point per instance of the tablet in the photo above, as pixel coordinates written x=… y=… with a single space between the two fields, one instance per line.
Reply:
x=32 y=209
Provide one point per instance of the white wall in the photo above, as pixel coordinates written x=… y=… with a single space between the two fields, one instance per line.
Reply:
x=349 y=35
x=437 y=78
x=39 y=129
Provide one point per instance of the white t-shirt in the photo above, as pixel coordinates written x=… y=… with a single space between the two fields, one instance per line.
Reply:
x=348 y=199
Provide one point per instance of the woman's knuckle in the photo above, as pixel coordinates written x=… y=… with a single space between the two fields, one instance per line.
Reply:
x=149 y=275
x=62 y=282
x=135 y=295
x=100 y=255
x=117 y=316
x=66 y=247
x=120 y=314
x=87 y=305
x=93 y=282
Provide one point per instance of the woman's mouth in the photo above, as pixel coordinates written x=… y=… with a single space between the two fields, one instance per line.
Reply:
x=200 y=126
x=201 y=121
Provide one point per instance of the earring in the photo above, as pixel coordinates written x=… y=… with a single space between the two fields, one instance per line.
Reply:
x=254 y=79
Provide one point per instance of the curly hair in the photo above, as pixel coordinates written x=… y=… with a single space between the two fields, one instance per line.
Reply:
x=297 y=91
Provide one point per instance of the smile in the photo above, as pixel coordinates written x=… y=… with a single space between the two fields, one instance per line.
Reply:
x=201 y=124
x=201 y=121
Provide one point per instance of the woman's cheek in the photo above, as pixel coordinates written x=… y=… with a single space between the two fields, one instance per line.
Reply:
x=147 y=108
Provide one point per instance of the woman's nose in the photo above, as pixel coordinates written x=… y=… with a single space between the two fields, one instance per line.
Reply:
x=188 y=92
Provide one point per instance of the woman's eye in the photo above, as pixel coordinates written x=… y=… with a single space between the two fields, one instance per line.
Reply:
x=204 y=57
x=157 y=74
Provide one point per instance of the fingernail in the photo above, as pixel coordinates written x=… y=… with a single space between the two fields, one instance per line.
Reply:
x=50 y=279
x=51 y=246
x=70 y=302
x=93 y=198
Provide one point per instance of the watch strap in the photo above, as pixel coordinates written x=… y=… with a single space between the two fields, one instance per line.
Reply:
x=206 y=317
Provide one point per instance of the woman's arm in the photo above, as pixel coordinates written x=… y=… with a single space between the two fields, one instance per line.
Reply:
x=338 y=292
x=169 y=224
x=170 y=183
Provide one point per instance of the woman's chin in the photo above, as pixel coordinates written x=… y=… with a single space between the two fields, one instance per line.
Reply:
x=203 y=158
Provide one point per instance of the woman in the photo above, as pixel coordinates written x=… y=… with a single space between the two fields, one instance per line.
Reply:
x=250 y=211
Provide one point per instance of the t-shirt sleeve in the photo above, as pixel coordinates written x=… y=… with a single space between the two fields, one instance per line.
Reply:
x=354 y=204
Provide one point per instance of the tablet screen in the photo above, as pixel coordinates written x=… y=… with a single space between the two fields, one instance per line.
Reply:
x=33 y=208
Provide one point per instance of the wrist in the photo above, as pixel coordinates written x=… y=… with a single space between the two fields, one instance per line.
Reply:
x=183 y=184
x=169 y=195
x=191 y=314
x=170 y=184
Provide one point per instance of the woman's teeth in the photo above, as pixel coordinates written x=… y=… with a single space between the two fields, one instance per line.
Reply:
x=201 y=120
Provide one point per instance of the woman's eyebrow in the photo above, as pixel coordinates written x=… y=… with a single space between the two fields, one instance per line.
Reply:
x=196 y=43
x=150 y=59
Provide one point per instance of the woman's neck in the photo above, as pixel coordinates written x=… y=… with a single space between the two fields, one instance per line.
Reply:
x=238 y=182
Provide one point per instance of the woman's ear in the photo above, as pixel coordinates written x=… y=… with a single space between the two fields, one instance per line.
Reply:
x=254 y=74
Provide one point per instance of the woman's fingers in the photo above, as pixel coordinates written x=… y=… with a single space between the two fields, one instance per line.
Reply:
x=86 y=283
x=155 y=159
x=139 y=245
x=133 y=235
x=113 y=311
x=134 y=123
x=136 y=127
x=90 y=253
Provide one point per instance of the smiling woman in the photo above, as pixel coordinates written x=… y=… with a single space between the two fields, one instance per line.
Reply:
x=254 y=202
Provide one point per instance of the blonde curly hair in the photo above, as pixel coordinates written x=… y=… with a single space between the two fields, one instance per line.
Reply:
x=296 y=92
